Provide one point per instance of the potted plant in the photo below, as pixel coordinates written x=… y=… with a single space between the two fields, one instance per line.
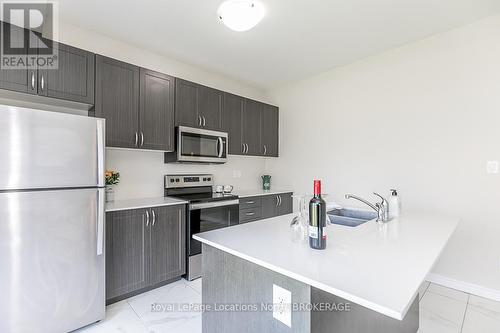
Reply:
x=112 y=178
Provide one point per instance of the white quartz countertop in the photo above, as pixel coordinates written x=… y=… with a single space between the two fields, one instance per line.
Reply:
x=378 y=266
x=142 y=203
x=261 y=192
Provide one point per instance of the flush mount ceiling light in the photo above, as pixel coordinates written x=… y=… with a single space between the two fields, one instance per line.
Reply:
x=240 y=15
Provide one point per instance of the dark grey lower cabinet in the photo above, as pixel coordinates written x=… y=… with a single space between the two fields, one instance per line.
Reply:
x=286 y=204
x=144 y=248
x=168 y=243
x=268 y=206
x=127 y=259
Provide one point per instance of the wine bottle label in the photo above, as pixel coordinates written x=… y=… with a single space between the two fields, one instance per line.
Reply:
x=313 y=232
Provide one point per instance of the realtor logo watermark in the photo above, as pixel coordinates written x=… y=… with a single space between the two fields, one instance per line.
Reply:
x=27 y=35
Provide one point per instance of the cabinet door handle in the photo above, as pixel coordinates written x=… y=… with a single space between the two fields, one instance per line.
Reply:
x=250 y=202
x=147 y=218
x=154 y=217
x=136 y=139
x=250 y=214
x=199 y=121
x=280 y=199
x=142 y=139
x=242 y=148
x=42 y=83
x=277 y=201
x=246 y=150
x=265 y=150
x=32 y=80
x=204 y=121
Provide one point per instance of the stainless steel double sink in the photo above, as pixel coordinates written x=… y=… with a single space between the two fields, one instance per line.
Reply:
x=350 y=217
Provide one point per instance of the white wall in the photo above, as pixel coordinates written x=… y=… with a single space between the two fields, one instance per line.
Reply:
x=424 y=119
x=141 y=171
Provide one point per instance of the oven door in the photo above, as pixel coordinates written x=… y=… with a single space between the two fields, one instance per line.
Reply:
x=210 y=216
x=200 y=145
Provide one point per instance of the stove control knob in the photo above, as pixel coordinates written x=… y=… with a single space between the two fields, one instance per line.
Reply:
x=177 y=180
x=209 y=179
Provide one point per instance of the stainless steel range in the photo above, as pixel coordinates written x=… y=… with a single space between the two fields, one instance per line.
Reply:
x=207 y=211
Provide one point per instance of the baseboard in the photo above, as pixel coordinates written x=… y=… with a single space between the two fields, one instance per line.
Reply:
x=466 y=287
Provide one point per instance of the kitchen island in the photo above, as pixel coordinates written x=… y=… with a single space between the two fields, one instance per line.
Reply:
x=373 y=269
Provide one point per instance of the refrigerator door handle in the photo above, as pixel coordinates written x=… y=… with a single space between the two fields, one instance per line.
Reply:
x=100 y=152
x=100 y=221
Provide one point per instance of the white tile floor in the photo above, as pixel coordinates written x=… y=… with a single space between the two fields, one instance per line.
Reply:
x=442 y=310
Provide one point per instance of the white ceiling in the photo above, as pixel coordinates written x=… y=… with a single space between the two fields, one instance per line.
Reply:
x=296 y=38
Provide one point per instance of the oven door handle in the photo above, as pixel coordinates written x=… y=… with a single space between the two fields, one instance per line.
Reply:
x=214 y=204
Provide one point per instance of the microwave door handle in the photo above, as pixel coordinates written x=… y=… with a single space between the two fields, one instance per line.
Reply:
x=220 y=147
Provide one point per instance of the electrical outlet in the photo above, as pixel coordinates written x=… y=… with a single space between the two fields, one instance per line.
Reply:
x=492 y=167
x=282 y=301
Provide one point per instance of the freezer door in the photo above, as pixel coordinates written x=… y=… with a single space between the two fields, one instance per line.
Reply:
x=51 y=261
x=41 y=149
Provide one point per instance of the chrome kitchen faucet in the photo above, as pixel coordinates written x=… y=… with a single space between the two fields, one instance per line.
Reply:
x=382 y=208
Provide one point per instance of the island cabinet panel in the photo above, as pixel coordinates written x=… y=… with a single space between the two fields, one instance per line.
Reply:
x=269 y=130
x=168 y=244
x=127 y=254
x=73 y=79
x=117 y=100
x=145 y=248
x=228 y=279
x=231 y=122
x=156 y=111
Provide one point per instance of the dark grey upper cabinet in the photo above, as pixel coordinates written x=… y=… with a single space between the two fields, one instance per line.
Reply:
x=156 y=124
x=117 y=100
x=197 y=105
x=269 y=127
x=127 y=254
x=168 y=243
x=73 y=79
x=231 y=121
x=210 y=107
x=251 y=127
x=186 y=104
x=21 y=80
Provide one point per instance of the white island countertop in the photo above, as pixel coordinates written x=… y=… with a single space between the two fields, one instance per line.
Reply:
x=378 y=266
x=142 y=203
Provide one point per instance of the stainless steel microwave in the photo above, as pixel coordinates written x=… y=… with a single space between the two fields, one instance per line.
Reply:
x=195 y=145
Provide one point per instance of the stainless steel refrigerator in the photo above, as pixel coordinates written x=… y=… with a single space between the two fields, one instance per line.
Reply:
x=51 y=220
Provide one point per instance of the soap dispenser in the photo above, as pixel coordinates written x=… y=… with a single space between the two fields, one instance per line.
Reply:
x=394 y=204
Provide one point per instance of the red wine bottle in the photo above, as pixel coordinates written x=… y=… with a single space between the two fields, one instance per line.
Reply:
x=317 y=219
